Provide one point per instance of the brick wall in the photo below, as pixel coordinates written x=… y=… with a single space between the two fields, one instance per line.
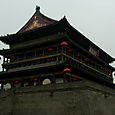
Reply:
x=79 y=98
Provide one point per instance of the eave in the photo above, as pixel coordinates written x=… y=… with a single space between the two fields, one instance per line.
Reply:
x=60 y=26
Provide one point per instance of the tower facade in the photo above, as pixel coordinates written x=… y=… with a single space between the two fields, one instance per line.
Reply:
x=51 y=68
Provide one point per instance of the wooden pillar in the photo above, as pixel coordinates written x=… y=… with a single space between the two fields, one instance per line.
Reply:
x=35 y=54
x=30 y=82
x=22 y=83
x=62 y=58
x=62 y=49
x=3 y=69
x=54 y=79
x=73 y=53
x=57 y=50
x=57 y=59
x=64 y=76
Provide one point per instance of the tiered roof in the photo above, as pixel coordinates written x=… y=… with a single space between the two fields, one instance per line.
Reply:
x=40 y=25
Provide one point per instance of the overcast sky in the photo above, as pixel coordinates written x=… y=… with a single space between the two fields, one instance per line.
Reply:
x=93 y=18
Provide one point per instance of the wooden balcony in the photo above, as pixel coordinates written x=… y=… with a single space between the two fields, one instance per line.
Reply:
x=62 y=54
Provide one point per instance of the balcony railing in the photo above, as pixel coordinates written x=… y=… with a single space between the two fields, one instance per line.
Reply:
x=50 y=55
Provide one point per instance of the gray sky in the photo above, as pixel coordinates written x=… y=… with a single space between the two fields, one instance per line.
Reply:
x=93 y=18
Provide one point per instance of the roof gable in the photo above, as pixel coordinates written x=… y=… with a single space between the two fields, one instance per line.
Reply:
x=36 y=21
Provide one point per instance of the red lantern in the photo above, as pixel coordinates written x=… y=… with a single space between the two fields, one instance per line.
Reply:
x=105 y=70
x=12 y=57
x=78 y=55
x=75 y=79
x=50 y=49
x=101 y=67
x=109 y=73
x=64 y=43
x=69 y=50
x=16 y=82
x=67 y=70
x=35 y=79
x=85 y=59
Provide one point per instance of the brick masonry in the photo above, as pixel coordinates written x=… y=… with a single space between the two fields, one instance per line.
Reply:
x=79 y=98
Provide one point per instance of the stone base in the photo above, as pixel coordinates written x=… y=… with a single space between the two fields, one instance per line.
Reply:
x=78 y=98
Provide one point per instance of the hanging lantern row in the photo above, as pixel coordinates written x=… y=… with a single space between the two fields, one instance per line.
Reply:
x=101 y=68
x=70 y=51
x=85 y=59
x=77 y=55
x=17 y=82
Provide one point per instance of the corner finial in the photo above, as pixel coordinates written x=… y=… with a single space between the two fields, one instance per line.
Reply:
x=64 y=16
x=37 y=8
